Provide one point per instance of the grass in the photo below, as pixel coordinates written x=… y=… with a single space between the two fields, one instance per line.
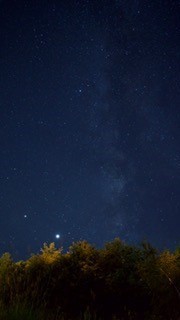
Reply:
x=20 y=312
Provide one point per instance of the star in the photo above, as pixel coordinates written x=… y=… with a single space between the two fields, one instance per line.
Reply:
x=57 y=236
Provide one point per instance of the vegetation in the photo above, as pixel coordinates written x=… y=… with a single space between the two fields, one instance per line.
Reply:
x=118 y=281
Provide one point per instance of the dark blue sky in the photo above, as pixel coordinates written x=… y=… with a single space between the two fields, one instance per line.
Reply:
x=89 y=122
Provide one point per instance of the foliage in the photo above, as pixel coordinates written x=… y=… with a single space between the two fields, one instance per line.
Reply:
x=118 y=281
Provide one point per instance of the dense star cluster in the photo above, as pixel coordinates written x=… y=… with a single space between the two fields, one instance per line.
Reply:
x=89 y=126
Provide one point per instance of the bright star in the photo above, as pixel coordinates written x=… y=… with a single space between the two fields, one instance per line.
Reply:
x=57 y=236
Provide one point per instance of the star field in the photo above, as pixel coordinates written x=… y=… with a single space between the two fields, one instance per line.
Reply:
x=89 y=123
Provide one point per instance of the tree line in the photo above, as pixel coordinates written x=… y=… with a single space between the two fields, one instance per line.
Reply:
x=118 y=281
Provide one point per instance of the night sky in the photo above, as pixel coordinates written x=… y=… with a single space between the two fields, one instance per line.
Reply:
x=89 y=123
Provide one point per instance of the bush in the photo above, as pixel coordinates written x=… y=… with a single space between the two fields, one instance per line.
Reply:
x=116 y=282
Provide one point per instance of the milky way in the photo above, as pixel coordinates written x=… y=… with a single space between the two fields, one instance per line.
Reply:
x=89 y=123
